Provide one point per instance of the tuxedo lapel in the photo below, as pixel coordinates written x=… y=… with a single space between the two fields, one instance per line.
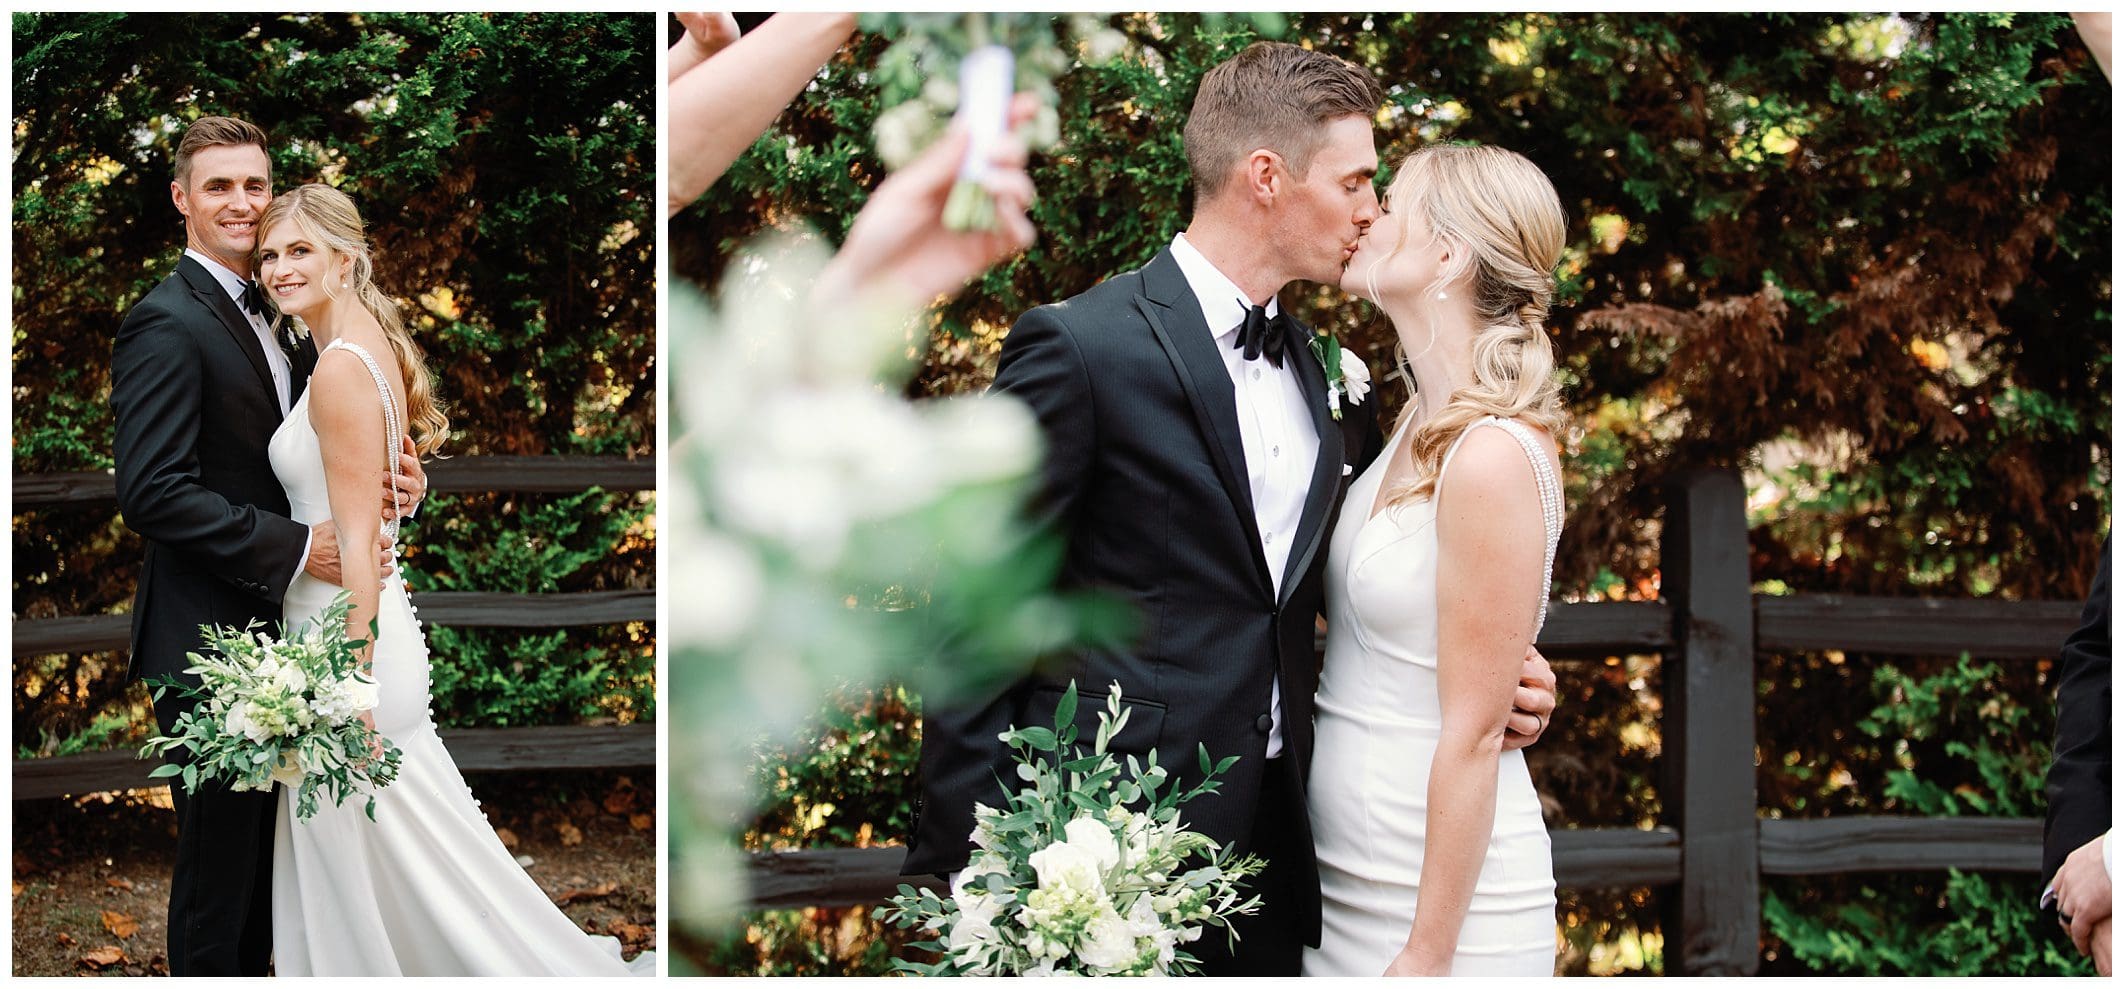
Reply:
x=209 y=293
x=1327 y=464
x=300 y=366
x=1176 y=318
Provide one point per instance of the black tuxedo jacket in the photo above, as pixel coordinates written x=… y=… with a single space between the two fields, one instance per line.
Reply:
x=195 y=407
x=1146 y=478
x=2078 y=784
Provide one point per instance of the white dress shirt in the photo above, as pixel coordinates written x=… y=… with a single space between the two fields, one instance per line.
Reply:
x=1275 y=429
x=276 y=359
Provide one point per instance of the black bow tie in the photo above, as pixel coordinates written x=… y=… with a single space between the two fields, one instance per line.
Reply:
x=1261 y=336
x=253 y=299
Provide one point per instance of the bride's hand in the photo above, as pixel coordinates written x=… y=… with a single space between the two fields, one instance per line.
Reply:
x=375 y=738
x=1405 y=964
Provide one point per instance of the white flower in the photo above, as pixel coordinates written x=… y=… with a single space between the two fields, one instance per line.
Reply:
x=1106 y=45
x=364 y=692
x=1092 y=835
x=902 y=132
x=1107 y=942
x=977 y=911
x=291 y=678
x=724 y=573
x=1356 y=378
x=236 y=722
x=1065 y=864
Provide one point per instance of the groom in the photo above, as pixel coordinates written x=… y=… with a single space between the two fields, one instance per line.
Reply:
x=198 y=386
x=1196 y=468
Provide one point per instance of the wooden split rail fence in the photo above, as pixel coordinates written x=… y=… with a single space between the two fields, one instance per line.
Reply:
x=551 y=747
x=1715 y=846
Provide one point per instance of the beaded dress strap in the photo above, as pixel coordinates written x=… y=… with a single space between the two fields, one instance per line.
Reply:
x=392 y=427
x=1545 y=481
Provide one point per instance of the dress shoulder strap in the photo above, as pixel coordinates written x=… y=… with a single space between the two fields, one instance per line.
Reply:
x=393 y=429
x=1545 y=482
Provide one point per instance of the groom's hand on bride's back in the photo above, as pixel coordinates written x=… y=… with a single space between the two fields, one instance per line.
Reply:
x=323 y=561
x=403 y=491
x=1533 y=704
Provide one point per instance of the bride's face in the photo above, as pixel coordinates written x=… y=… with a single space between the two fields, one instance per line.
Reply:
x=1398 y=257
x=294 y=269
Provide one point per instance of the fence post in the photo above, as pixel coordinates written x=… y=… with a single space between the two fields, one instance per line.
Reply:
x=1707 y=746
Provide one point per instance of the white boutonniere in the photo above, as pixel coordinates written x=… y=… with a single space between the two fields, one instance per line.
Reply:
x=1347 y=377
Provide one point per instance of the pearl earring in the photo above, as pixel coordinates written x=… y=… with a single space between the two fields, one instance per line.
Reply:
x=1441 y=296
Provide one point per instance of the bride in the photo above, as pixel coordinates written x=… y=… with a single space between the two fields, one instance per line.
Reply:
x=1433 y=856
x=426 y=888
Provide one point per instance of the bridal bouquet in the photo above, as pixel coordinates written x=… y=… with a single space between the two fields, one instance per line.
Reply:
x=284 y=710
x=965 y=67
x=1069 y=880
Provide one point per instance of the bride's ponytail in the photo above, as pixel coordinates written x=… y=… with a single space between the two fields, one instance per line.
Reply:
x=329 y=216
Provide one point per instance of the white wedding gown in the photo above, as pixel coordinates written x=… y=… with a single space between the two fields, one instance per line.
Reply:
x=426 y=888
x=1376 y=725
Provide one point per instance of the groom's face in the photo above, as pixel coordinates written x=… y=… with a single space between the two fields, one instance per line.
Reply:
x=228 y=187
x=1331 y=207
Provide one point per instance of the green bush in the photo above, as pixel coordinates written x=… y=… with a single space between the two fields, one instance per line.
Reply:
x=1959 y=745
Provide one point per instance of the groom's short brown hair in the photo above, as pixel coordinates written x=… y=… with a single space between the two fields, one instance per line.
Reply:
x=1271 y=95
x=208 y=132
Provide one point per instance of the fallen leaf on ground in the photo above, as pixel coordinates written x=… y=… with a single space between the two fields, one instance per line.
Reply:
x=508 y=837
x=620 y=800
x=630 y=933
x=18 y=887
x=116 y=883
x=586 y=893
x=642 y=822
x=120 y=924
x=570 y=835
x=65 y=940
x=104 y=957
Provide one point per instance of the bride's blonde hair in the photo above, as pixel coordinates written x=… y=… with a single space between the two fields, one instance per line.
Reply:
x=328 y=216
x=1503 y=214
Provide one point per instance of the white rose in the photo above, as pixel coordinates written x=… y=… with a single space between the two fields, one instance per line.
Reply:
x=238 y=723
x=1107 y=943
x=362 y=694
x=292 y=679
x=1065 y=864
x=1092 y=835
x=977 y=912
x=1356 y=378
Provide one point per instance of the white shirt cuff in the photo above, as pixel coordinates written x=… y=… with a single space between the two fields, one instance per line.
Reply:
x=302 y=563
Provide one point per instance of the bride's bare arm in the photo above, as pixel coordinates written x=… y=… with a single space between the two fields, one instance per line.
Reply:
x=348 y=415
x=719 y=108
x=1490 y=548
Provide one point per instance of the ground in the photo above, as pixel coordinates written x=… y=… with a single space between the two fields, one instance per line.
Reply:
x=92 y=874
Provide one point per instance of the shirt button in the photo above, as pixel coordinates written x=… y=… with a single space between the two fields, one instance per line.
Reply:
x=1275 y=451
x=1264 y=723
x=1257 y=374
